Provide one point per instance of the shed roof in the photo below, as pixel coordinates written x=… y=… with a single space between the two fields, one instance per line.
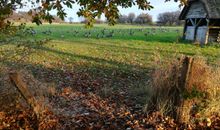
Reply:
x=212 y=7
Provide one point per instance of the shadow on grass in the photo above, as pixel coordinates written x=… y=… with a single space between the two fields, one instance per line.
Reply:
x=114 y=47
x=89 y=58
x=87 y=82
x=117 y=71
x=88 y=78
x=149 y=51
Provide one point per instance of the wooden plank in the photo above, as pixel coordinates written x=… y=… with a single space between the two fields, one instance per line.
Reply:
x=184 y=30
x=201 y=35
x=36 y=104
x=200 y=20
x=189 y=68
x=190 y=33
x=214 y=27
x=193 y=23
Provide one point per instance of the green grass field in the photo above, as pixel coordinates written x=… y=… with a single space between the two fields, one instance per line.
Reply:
x=76 y=56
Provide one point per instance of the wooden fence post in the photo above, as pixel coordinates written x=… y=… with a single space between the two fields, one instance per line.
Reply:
x=184 y=106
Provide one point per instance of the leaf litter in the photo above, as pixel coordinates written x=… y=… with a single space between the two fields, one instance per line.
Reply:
x=82 y=108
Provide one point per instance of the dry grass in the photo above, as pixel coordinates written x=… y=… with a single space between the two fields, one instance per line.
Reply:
x=141 y=94
x=200 y=95
x=206 y=80
x=213 y=106
x=163 y=84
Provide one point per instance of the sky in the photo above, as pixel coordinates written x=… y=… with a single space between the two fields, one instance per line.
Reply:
x=160 y=6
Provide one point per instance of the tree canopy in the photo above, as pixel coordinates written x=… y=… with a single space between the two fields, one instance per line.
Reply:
x=90 y=9
x=169 y=18
x=144 y=18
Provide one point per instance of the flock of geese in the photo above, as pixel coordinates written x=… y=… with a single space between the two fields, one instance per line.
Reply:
x=109 y=33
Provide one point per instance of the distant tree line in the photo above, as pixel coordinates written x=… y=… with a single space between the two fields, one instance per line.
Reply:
x=169 y=19
x=163 y=19
x=96 y=21
x=24 y=17
x=131 y=18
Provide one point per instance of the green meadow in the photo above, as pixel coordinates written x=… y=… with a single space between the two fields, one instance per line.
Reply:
x=110 y=58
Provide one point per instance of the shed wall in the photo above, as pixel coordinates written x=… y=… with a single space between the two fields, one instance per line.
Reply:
x=201 y=35
x=190 y=33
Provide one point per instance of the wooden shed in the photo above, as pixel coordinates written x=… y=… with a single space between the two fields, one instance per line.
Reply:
x=202 y=21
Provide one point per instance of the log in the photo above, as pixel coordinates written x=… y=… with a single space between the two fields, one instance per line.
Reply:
x=36 y=104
